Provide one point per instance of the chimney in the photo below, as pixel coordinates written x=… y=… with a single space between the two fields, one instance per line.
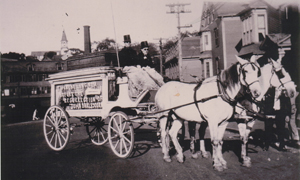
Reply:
x=87 y=40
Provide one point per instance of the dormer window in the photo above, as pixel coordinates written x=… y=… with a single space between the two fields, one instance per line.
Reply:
x=254 y=26
x=261 y=25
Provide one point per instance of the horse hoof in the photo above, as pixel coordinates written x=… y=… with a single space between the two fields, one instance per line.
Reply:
x=246 y=164
x=195 y=155
x=219 y=168
x=204 y=154
x=180 y=159
x=168 y=159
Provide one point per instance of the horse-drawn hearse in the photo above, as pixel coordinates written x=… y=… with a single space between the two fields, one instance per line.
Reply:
x=100 y=97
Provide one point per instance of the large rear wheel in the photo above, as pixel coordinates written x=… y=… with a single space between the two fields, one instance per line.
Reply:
x=56 y=128
x=120 y=134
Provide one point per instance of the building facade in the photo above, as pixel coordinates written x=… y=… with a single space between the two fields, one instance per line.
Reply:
x=24 y=88
x=233 y=28
x=191 y=65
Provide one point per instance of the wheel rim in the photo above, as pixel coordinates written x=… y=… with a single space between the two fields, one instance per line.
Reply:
x=121 y=136
x=97 y=131
x=56 y=128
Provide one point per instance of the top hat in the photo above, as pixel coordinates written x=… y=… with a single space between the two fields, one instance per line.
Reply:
x=268 y=45
x=144 y=44
x=127 y=38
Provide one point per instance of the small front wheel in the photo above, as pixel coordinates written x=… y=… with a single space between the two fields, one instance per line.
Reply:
x=120 y=134
x=97 y=130
x=56 y=128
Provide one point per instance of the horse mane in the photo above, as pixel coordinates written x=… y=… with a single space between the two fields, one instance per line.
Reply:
x=229 y=77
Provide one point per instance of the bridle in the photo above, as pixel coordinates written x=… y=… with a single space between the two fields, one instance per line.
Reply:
x=241 y=71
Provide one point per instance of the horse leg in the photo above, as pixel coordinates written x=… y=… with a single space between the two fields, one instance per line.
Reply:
x=164 y=134
x=244 y=130
x=177 y=124
x=192 y=127
x=220 y=134
x=214 y=142
x=202 y=130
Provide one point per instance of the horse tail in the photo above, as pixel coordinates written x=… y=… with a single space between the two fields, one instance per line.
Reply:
x=170 y=119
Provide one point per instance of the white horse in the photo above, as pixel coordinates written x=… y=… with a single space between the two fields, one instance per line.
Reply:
x=272 y=75
x=212 y=104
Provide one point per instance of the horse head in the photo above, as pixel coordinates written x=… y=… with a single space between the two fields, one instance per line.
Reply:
x=249 y=73
x=283 y=82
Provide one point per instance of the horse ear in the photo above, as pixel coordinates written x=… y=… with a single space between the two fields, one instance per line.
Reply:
x=253 y=59
x=240 y=60
x=276 y=64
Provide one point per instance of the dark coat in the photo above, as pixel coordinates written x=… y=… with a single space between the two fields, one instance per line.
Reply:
x=128 y=57
x=144 y=61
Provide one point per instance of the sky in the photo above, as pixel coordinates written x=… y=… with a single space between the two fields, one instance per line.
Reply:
x=37 y=25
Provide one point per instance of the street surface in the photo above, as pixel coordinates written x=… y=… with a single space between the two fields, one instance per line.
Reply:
x=25 y=155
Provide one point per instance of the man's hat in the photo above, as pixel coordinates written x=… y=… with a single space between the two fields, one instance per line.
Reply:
x=144 y=44
x=268 y=45
x=127 y=38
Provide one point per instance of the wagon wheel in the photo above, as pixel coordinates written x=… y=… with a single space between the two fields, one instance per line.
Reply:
x=120 y=134
x=97 y=130
x=56 y=128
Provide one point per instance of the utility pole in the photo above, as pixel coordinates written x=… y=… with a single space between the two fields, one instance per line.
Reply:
x=160 y=55
x=179 y=8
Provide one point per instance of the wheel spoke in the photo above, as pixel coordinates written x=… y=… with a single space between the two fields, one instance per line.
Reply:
x=60 y=116
x=52 y=137
x=50 y=120
x=103 y=129
x=121 y=152
x=92 y=130
x=117 y=125
x=115 y=147
x=48 y=125
x=55 y=140
x=49 y=132
x=103 y=136
x=115 y=130
x=59 y=139
x=62 y=135
x=127 y=139
x=125 y=146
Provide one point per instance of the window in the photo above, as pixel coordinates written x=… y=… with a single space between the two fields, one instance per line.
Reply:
x=207 y=70
x=216 y=37
x=261 y=25
x=206 y=39
x=247 y=31
x=59 y=66
x=30 y=67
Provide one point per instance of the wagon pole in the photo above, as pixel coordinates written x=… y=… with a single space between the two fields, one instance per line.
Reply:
x=179 y=9
x=115 y=34
x=176 y=107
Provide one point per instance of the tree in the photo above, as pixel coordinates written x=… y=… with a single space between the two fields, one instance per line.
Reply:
x=49 y=56
x=106 y=44
x=168 y=45
x=11 y=55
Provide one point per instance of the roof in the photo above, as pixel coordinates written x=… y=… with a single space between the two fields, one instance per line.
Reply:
x=281 y=39
x=64 y=37
x=255 y=4
x=226 y=8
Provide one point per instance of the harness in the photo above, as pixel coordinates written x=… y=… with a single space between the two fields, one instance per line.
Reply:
x=222 y=93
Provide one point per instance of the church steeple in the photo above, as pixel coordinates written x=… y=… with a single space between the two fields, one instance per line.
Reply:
x=64 y=44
